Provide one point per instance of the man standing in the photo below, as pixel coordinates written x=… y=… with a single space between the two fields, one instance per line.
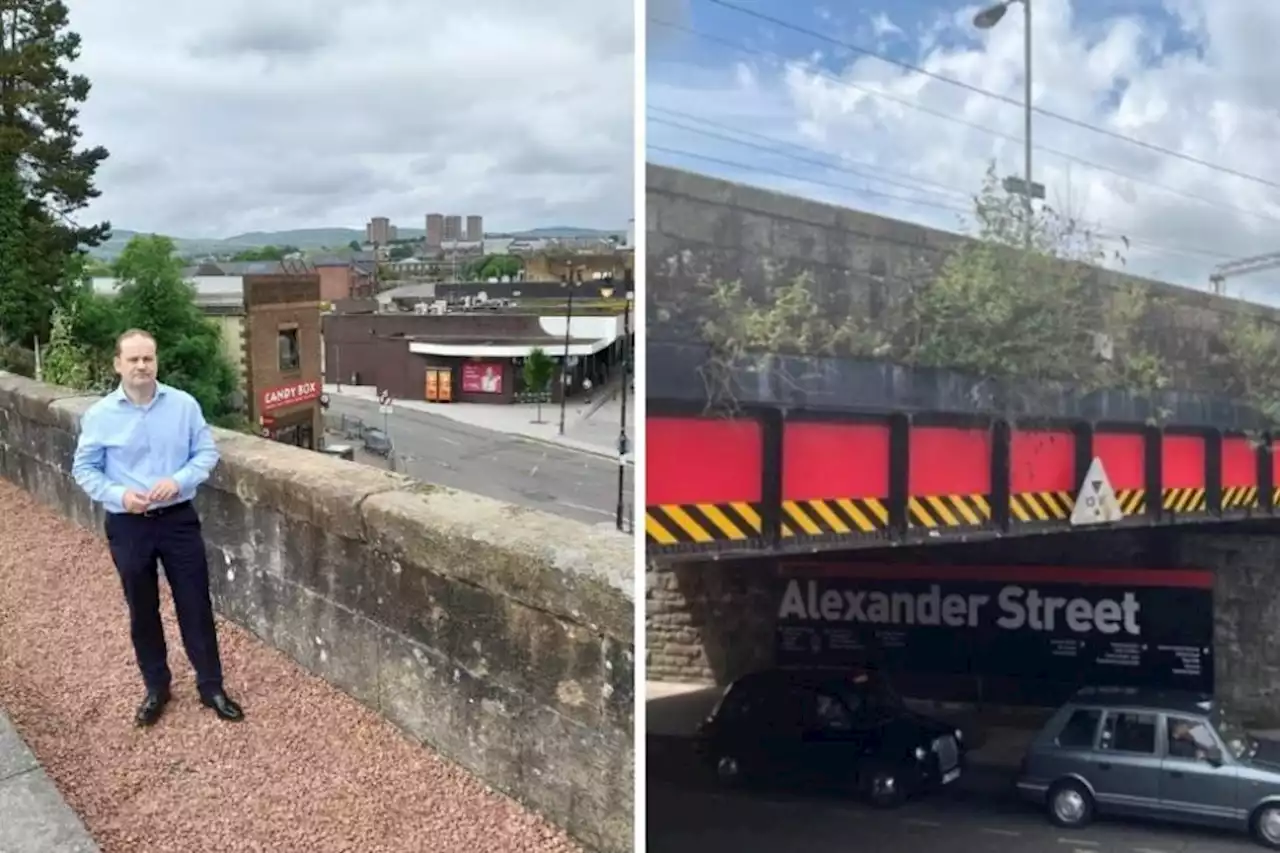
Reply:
x=143 y=451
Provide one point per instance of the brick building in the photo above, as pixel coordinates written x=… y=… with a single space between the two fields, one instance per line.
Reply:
x=282 y=357
x=480 y=353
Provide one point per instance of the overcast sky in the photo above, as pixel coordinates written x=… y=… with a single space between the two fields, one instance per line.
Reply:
x=1197 y=76
x=235 y=116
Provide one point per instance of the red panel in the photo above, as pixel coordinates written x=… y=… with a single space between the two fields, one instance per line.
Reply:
x=1186 y=578
x=1275 y=463
x=701 y=460
x=950 y=461
x=1239 y=462
x=1042 y=461
x=835 y=460
x=1183 y=457
x=1123 y=457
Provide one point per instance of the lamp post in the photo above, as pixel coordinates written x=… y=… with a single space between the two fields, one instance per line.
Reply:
x=985 y=20
x=564 y=362
x=622 y=431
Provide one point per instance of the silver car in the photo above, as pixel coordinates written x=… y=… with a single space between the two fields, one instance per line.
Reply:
x=1170 y=756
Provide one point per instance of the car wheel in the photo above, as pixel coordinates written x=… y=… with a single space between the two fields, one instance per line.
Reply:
x=728 y=770
x=1070 y=805
x=883 y=788
x=1266 y=827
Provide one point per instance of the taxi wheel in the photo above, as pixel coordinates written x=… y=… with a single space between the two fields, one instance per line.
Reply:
x=1265 y=826
x=1070 y=805
x=728 y=770
x=883 y=788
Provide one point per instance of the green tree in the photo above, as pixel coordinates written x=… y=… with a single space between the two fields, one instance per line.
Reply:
x=97 y=268
x=401 y=251
x=46 y=177
x=493 y=266
x=539 y=369
x=354 y=245
x=265 y=253
x=153 y=296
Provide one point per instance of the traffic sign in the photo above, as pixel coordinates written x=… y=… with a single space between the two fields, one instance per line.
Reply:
x=1096 y=502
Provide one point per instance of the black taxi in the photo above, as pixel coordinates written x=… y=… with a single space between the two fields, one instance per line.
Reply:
x=847 y=729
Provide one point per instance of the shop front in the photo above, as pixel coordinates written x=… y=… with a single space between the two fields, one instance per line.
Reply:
x=290 y=413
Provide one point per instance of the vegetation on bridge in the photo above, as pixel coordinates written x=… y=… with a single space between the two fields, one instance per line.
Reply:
x=999 y=310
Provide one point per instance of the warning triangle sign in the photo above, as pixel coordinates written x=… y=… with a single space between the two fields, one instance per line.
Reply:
x=1096 y=503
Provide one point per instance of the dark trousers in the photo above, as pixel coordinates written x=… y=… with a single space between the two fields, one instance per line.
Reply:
x=171 y=536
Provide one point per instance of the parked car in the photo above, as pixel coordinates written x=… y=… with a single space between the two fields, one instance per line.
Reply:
x=342 y=451
x=831 y=728
x=377 y=442
x=1179 y=757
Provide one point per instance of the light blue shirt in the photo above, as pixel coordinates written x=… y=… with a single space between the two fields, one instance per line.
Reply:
x=125 y=446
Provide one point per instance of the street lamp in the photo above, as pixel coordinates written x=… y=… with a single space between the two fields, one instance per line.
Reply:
x=564 y=362
x=622 y=433
x=985 y=20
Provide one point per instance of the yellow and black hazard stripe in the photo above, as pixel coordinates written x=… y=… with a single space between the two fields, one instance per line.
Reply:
x=1239 y=497
x=1275 y=496
x=1041 y=506
x=834 y=517
x=941 y=511
x=1189 y=499
x=702 y=524
x=1132 y=501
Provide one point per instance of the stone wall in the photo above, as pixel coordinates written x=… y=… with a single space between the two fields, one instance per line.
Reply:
x=501 y=637
x=702 y=229
x=1246 y=616
x=711 y=622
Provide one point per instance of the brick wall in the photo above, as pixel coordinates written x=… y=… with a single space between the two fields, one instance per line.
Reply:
x=273 y=302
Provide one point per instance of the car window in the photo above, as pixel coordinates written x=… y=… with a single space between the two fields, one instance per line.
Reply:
x=831 y=714
x=1190 y=739
x=1081 y=729
x=740 y=705
x=1128 y=731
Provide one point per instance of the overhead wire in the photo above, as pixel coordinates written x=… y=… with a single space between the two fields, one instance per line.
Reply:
x=1075 y=122
x=910 y=104
x=806 y=179
x=1099 y=230
x=870 y=176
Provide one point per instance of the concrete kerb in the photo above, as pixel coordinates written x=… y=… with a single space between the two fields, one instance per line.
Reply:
x=575 y=446
x=34 y=817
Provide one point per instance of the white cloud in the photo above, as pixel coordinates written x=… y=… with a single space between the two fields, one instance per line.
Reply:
x=1198 y=79
x=237 y=116
x=882 y=26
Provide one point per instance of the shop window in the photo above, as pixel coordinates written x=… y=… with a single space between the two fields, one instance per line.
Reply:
x=290 y=358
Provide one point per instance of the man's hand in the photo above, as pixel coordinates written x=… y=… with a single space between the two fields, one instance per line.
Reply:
x=135 y=502
x=163 y=491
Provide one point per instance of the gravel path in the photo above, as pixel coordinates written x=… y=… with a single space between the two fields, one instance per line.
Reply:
x=309 y=770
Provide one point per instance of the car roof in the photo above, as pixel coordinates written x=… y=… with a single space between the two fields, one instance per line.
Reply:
x=818 y=677
x=1180 y=701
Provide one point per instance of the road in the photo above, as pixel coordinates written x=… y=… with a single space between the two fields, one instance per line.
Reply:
x=686 y=813
x=506 y=467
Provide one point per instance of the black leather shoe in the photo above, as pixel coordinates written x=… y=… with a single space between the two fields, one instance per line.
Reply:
x=152 y=707
x=223 y=707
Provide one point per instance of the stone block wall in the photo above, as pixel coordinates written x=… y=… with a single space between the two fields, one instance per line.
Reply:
x=702 y=229
x=501 y=637
x=1246 y=597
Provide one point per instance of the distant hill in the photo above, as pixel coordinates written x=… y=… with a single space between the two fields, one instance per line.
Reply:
x=317 y=238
